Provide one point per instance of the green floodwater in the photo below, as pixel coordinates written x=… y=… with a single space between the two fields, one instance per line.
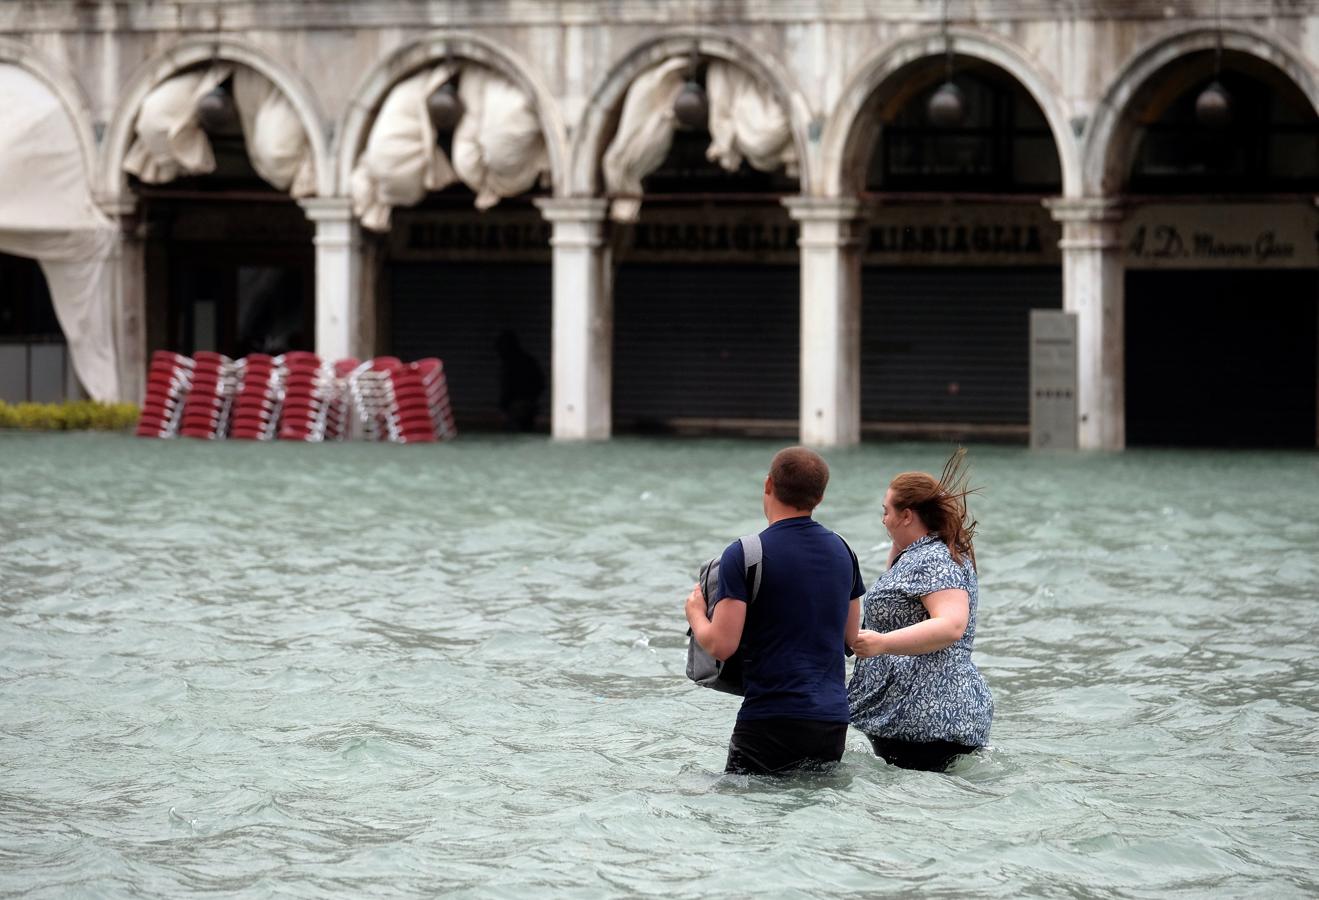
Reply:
x=371 y=670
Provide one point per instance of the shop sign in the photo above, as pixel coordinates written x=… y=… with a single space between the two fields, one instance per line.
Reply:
x=1007 y=235
x=1222 y=236
x=988 y=235
x=513 y=236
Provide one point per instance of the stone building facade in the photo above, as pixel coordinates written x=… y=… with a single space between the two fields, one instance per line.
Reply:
x=855 y=294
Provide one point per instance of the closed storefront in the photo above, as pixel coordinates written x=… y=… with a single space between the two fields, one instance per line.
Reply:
x=949 y=346
x=474 y=290
x=706 y=319
x=1222 y=325
x=705 y=346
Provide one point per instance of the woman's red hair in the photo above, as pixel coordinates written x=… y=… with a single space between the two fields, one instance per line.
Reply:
x=941 y=504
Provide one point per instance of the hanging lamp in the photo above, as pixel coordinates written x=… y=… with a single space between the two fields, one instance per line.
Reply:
x=946 y=107
x=692 y=107
x=1213 y=108
x=216 y=112
x=444 y=106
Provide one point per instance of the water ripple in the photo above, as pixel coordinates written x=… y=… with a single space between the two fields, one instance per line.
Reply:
x=338 y=670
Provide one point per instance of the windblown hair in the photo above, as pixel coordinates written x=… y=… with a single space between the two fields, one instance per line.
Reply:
x=799 y=477
x=941 y=504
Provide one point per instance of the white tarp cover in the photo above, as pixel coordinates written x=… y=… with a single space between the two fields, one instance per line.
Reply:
x=401 y=161
x=170 y=143
x=47 y=214
x=644 y=135
x=746 y=122
x=277 y=144
x=498 y=148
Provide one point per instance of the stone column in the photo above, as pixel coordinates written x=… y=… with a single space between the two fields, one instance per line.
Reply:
x=830 y=376
x=1093 y=288
x=338 y=278
x=582 y=348
x=129 y=313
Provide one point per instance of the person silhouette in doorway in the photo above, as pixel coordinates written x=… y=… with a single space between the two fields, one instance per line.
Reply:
x=521 y=382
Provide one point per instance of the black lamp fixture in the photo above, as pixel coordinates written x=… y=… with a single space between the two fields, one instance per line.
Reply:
x=1213 y=108
x=444 y=105
x=692 y=107
x=946 y=107
x=216 y=112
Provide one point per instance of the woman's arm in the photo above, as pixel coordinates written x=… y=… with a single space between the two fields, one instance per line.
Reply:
x=949 y=611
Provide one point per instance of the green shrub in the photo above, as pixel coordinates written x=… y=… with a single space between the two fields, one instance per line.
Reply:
x=73 y=415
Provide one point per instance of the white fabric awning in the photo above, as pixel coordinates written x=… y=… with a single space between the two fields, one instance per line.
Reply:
x=401 y=161
x=47 y=214
x=746 y=122
x=277 y=144
x=644 y=135
x=169 y=143
x=498 y=147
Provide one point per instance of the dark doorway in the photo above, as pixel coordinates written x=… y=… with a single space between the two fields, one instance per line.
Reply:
x=34 y=359
x=1221 y=358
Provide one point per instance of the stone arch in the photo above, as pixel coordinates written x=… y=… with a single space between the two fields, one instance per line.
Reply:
x=589 y=138
x=841 y=135
x=65 y=88
x=191 y=52
x=1109 y=143
x=371 y=92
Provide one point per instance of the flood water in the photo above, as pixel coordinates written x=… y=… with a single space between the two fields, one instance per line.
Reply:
x=347 y=670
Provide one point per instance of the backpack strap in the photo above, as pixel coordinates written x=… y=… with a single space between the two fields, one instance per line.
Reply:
x=752 y=557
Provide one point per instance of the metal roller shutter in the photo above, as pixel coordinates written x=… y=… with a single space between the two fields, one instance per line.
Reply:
x=950 y=346
x=456 y=310
x=1221 y=358
x=705 y=342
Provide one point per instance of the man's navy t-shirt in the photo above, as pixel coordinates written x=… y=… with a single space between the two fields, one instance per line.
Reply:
x=793 y=637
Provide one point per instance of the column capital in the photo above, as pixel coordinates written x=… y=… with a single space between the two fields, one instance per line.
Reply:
x=573 y=209
x=823 y=209
x=1085 y=209
x=327 y=209
x=1089 y=223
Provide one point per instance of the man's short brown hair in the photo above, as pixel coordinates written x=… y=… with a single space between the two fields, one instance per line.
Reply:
x=798 y=477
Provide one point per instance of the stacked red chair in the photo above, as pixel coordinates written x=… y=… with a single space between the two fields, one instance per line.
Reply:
x=207 y=407
x=437 y=390
x=338 y=415
x=371 y=393
x=420 y=410
x=168 y=382
x=260 y=396
x=308 y=392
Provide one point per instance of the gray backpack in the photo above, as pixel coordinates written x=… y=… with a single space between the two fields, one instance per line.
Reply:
x=703 y=668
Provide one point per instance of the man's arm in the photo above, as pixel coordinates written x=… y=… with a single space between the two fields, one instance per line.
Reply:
x=720 y=636
x=853 y=622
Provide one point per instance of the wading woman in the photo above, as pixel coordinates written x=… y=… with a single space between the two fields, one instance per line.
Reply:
x=915 y=692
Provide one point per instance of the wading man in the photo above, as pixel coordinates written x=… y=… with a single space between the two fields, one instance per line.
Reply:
x=794 y=712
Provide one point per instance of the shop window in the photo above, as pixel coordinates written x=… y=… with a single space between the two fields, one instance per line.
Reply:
x=1270 y=144
x=1002 y=145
